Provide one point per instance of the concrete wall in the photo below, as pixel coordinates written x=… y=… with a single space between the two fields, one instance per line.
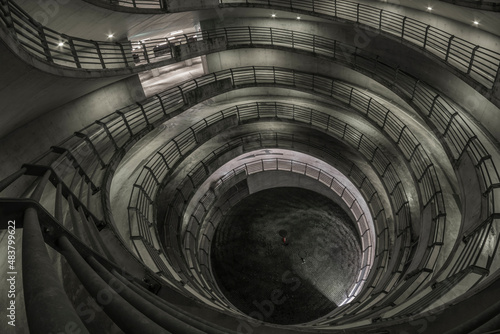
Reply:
x=275 y=179
x=36 y=137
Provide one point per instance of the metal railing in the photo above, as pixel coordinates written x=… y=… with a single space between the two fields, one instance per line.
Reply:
x=480 y=63
x=204 y=236
x=157 y=167
x=420 y=93
x=83 y=153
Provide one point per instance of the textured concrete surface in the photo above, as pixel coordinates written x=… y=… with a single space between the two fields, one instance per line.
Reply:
x=288 y=254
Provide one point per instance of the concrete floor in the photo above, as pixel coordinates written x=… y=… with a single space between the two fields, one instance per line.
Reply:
x=259 y=272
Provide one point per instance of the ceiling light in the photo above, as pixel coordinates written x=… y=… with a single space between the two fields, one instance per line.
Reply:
x=429 y=8
x=60 y=44
x=273 y=15
x=476 y=23
x=298 y=17
x=111 y=35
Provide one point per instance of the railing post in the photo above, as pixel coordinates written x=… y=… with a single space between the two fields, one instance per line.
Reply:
x=143 y=113
x=449 y=47
x=250 y=35
x=414 y=89
x=73 y=51
x=93 y=148
x=380 y=20
x=106 y=129
x=357 y=13
x=161 y=104
x=145 y=52
x=403 y=27
x=48 y=308
x=124 y=56
x=225 y=35
x=43 y=40
x=99 y=53
x=472 y=59
x=271 y=32
x=126 y=122
x=432 y=106
x=425 y=37
x=350 y=96
x=182 y=94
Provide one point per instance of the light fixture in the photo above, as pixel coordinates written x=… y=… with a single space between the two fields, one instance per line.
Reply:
x=298 y=17
x=429 y=8
x=60 y=44
x=273 y=15
x=111 y=35
x=476 y=22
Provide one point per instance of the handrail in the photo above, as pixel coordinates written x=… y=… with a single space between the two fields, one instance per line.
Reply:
x=125 y=124
x=454 y=51
x=293 y=166
x=183 y=143
x=473 y=62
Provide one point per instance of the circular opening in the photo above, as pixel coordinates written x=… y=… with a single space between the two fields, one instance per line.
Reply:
x=286 y=255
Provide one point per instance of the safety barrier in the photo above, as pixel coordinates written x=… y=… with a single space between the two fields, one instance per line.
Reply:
x=477 y=63
x=480 y=63
x=83 y=153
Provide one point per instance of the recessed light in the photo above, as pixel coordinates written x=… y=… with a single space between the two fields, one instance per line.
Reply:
x=298 y=17
x=60 y=44
x=273 y=15
x=111 y=36
x=476 y=22
x=429 y=8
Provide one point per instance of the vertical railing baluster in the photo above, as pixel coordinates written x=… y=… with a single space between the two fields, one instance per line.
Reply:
x=43 y=40
x=449 y=48
x=73 y=51
x=99 y=53
x=425 y=36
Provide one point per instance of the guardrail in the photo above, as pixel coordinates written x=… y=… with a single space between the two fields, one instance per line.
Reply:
x=454 y=125
x=200 y=172
x=480 y=63
x=477 y=63
x=116 y=129
x=157 y=167
x=287 y=165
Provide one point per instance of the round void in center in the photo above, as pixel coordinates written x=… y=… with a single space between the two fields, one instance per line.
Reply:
x=286 y=255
